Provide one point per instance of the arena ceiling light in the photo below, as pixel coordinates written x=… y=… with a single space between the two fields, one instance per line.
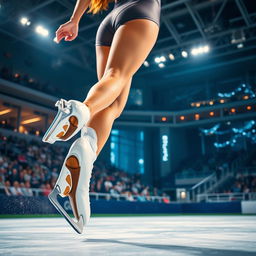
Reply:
x=239 y=46
x=184 y=54
x=200 y=50
x=146 y=63
x=157 y=60
x=31 y=120
x=171 y=57
x=5 y=111
x=161 y=65
x=42 y=31
x=160 y=59
x=238 y=37
x=25 y=21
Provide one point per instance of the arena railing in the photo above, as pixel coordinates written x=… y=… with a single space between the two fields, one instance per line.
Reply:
x=190 y=174
x=203 y=186
x=106 y=196
x=225 y=197
x=213 y=181
x=117 y=197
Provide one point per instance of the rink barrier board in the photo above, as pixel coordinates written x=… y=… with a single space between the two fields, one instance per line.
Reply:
x=41 y=205
x=248 y=207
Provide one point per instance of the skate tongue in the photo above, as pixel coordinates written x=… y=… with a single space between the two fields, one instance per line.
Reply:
x=84 y=131
x=90 y=133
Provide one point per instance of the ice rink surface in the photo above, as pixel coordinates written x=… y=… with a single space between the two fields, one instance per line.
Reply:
x=172 y=235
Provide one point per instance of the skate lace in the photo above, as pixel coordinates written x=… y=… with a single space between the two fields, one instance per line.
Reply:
x=63 y=106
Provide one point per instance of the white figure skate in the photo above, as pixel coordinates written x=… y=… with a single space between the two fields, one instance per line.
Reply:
x=71 y=117
x=74 y=180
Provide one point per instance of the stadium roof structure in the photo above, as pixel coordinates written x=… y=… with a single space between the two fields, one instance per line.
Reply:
x=226 y=26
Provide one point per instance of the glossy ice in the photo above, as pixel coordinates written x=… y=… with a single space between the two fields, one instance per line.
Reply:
x=172 y=235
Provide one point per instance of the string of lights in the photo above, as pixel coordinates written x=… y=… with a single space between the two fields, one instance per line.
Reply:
x=210 y=131
x=249 y=125
x=244 y=88
x=247 y=131
x=250 y=135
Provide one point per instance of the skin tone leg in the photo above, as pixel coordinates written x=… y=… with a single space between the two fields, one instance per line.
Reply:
x=131 y=45
x=108 y=97
x=102 y=121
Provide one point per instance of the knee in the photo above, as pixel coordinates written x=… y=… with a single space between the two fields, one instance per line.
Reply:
x=115 y=74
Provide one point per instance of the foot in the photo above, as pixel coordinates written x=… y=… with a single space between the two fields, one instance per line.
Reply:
x=71 y=117
x=74 y=181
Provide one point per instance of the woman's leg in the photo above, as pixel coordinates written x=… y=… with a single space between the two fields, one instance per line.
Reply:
x=102 y=121
x=108 y=64
x=131 y=45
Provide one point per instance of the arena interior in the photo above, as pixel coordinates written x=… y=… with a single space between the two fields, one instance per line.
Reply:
x=178 y=173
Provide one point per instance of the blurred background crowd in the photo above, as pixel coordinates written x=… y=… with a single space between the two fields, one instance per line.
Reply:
x=32 y=164
x=25 y=165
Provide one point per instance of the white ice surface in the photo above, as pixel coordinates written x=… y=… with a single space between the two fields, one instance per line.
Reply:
x=177 y=236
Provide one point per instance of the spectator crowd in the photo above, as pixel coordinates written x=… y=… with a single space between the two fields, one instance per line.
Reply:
x=196 y=166
x=242 y=184
x=31 y=164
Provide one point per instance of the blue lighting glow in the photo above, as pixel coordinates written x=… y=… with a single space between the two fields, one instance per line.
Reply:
x=247 y=131
x=165 y=155
x=245 y=88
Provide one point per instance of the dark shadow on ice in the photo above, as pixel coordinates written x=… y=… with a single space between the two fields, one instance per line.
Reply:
x=186 y=250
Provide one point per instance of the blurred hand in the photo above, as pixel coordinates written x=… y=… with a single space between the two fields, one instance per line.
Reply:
x=68 y=31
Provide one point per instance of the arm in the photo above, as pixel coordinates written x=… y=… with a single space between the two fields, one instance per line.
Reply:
x=69 y=30
x=80 y=8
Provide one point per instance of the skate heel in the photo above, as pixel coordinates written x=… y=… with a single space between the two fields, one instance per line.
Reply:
x=71 y=117
x=72 y=164
x=64 y=182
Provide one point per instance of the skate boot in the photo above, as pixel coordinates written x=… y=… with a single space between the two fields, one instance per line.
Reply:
x=71 y=117
x=74 y=179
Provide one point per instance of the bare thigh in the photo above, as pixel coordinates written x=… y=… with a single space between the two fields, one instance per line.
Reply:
x=131 y=45
x=102 y=53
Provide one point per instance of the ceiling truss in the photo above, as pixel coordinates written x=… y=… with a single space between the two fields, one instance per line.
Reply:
x=173 y=40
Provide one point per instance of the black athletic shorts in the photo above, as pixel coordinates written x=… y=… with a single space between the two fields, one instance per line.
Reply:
x=126 y=10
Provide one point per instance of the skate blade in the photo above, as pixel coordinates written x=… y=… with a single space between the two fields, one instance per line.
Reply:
x=77 y=226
